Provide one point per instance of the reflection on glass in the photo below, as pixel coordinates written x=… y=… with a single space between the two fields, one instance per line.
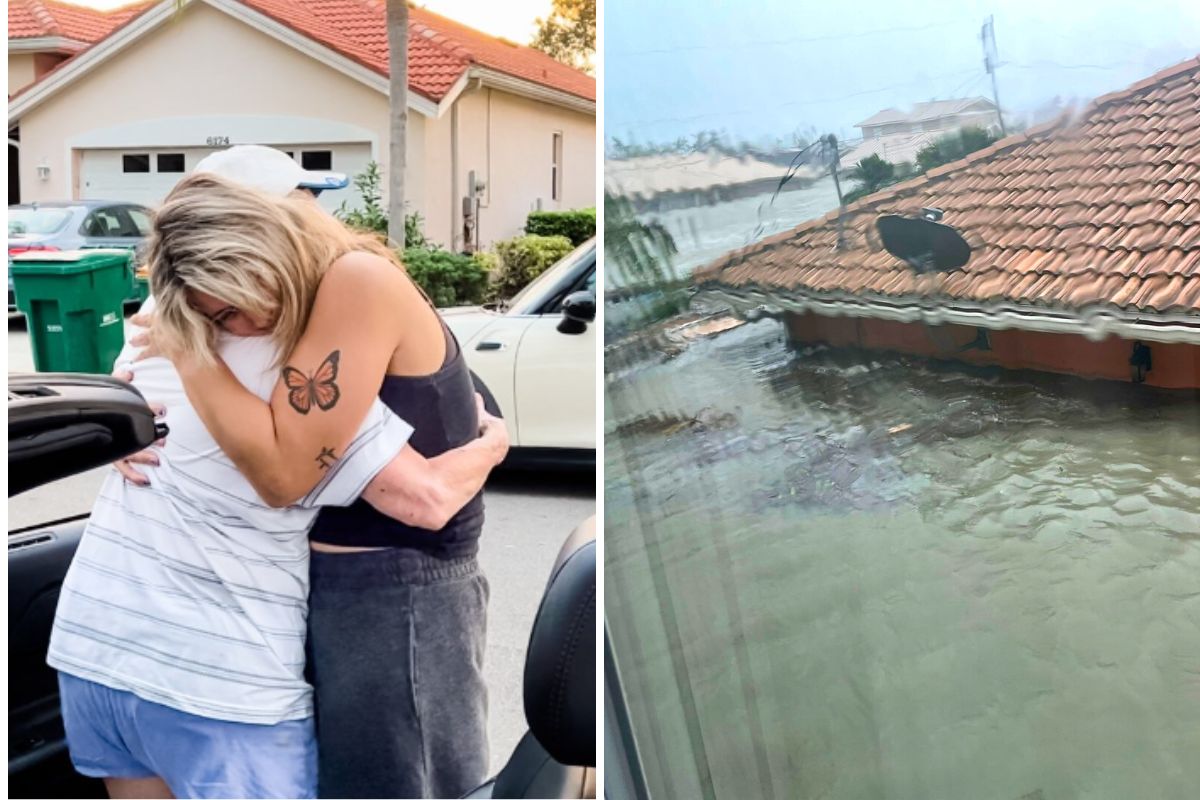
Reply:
x=883 y=522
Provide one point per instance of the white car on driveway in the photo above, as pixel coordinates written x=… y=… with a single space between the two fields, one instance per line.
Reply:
x=536 y=354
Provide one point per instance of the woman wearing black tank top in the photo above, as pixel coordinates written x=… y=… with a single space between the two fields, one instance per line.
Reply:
x=397 y=612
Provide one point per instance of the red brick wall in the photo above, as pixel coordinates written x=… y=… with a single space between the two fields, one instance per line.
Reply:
x=1176 y=366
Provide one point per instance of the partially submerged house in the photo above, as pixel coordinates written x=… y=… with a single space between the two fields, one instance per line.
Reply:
x=682 y=180
x=1086 y=251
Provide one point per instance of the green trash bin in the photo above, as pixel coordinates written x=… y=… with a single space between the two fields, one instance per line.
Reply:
x=74 y=305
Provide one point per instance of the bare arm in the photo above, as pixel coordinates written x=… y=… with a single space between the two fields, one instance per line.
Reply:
x=329 y=382
x=426 y=493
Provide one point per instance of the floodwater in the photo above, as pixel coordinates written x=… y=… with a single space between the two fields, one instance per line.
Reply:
x=838 y=574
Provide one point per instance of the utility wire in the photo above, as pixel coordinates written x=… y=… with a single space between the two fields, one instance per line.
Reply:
x=771 y=42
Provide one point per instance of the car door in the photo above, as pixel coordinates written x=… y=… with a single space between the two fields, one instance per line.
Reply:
x=493 y=356
x=38 y=558
x=58 y=425
x=555 y=379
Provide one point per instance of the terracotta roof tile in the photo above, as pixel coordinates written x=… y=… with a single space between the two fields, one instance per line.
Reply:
x=440 y=50
x=1102 y=209
x=35 y=19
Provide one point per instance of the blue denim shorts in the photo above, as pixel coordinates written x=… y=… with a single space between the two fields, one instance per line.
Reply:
x=115 y=734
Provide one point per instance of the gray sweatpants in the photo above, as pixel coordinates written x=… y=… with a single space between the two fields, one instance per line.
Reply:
x=396 y=643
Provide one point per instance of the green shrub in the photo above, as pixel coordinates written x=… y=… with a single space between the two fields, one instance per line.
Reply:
x=524 y=258
x=450 y=279
x=490 y=262
x=578 y=226
x=373 y=216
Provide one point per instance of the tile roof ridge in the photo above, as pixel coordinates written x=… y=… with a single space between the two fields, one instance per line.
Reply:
x=38 y=10
x=1162 y=76
x=142 y=8
x=447 y=39
x=99 y=12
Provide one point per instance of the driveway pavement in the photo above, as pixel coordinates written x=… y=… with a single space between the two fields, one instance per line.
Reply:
x=528 y=517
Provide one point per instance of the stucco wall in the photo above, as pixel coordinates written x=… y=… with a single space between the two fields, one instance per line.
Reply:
x=507 y=140
x=1175 y=366
x=20 y=71
x=172 y=89
x=175 y=75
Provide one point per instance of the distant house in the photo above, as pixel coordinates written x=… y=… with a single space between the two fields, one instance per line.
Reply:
x=122 y=105
x=934 y=116
x=1086 y=251
x=897 y=136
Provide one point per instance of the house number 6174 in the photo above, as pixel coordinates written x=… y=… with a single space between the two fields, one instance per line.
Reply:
x=217 y=141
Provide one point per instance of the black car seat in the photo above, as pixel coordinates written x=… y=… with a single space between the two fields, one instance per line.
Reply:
x=556 y=758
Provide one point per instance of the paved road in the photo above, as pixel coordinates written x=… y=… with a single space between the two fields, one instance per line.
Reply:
x=529 y=515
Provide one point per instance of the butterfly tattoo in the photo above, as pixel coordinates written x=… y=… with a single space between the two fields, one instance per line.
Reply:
x=319 y=389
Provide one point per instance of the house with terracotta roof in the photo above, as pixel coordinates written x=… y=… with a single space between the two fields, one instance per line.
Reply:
x=122 y=105
x=1085 y=238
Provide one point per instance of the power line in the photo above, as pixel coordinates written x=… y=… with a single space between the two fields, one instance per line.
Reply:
x=773 y=42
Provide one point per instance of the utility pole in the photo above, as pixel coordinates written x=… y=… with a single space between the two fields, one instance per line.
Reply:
x=987 y=35
x=832 y=142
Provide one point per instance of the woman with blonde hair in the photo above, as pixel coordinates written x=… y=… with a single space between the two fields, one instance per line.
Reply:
x=389 y=601
x=180 y=630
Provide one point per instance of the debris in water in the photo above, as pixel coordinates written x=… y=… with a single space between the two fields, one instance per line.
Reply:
x=901 y=428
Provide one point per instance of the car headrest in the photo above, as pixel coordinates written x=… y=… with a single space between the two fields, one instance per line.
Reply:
x=560 y=666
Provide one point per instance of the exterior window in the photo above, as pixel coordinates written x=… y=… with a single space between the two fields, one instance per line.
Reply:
x=556 y=169
x=170 y=162
x=317 y=159
x=135 y=163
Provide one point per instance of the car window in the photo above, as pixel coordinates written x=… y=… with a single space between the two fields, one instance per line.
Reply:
x=37 y=221
x=109 y=222
x=586 y=282
x=140 y=218
x=532 y=298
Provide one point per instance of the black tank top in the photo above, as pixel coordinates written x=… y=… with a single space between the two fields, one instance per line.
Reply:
x=441 y=409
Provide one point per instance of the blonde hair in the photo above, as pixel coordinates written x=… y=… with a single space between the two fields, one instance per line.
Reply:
x=262 y=254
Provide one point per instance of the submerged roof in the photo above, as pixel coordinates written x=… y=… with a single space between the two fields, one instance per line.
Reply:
x=648 y=176
x=1097 y=211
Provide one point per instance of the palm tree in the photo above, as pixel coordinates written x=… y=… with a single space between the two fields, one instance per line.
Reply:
x=397 y=34
x=873 y=173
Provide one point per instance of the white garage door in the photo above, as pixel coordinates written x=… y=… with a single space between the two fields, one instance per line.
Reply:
x=145 y=176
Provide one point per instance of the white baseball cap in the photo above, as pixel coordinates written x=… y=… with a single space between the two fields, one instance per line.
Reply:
x=268 y=170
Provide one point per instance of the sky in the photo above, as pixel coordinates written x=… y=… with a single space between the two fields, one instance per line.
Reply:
x=512 y=19
x=767 y=69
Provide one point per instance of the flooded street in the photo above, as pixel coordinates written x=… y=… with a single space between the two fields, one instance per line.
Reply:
x=836 y=574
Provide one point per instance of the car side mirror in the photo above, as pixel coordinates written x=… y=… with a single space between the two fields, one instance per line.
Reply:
x=61 y=424
x=579 y=309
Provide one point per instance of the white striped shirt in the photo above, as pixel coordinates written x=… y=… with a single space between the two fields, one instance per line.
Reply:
x=193 y=593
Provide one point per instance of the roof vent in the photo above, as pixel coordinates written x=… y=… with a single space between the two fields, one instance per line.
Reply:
x=932 y=214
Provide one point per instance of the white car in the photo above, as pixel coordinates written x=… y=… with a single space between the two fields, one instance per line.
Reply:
x=536 y=354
